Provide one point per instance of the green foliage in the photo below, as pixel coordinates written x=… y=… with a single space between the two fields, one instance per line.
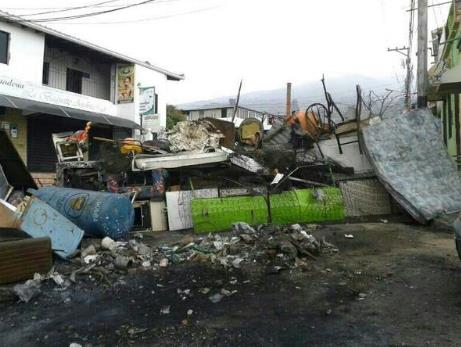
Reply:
x=173 y=116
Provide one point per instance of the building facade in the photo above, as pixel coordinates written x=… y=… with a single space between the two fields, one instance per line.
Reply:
x=51 y=82
x=226 y=112
x=445 y=80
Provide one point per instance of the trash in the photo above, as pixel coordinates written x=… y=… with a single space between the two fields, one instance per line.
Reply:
x=98 y=213
x=108 y=243
x=163 y=262
x=90 y=258
x=57 y=278
x=215 y=298
x=385 y=221
x=194 y=136
x=121 y=262
x=90 y=250
x=348 y=236
x=21 y=259
x=190 y=312
x=75 y=344
x=165 y=310
x=38 y=219
x=28 y=290
x=242 y=227
x=204 y=290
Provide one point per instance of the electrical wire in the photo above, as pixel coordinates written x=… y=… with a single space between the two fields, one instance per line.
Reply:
x=70 y=8
x=65 y=8
x=142 y=20
x=85 y=15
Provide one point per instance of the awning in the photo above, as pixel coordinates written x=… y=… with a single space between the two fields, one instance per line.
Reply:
x=61 y=111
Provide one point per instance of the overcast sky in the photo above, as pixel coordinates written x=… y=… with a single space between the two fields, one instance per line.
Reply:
x=215 y=43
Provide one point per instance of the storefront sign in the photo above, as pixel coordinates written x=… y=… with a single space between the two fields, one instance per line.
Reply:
x=25 y=90
x=125 y=83
x=146 y=101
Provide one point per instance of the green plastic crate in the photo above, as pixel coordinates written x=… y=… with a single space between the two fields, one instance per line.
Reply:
x=218 y=214
x=301 y=206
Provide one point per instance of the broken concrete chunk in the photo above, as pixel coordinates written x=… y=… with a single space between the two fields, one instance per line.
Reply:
x=28 y=290
x=215 y=298
x=108 y=243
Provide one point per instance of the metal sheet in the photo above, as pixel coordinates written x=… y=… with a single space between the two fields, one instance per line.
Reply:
x=41 y=107
x=41 y=220
x=411 y=161
x=179 y=206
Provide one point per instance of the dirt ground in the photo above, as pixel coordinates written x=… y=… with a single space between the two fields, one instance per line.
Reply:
x=391 y=285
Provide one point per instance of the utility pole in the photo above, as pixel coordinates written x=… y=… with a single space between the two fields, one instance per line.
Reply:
x=288 y=109
x=422 y=54
x=237 y=102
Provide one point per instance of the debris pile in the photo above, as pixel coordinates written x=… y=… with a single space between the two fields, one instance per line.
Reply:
x=268 y=245
x=194 y=136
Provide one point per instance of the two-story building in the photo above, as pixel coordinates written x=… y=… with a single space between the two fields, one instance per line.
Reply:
x=51 y=82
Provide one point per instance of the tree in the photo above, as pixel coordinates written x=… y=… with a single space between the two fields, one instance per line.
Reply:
x=378 y=105
x=173 y=116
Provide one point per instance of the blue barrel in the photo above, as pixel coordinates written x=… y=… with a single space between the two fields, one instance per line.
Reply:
x=97 y=213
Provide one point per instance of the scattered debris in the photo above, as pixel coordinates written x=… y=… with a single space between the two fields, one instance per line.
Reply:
x=28 y=290
x=348 y=236
x=165 y=310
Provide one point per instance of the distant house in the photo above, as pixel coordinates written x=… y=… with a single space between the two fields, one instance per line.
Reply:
x=445 y=80
x=226 y=112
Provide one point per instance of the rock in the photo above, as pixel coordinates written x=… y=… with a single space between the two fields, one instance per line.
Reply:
x=165 y=310
x=28 y=290
x=215 y=298
x=286 y=247
x=121 y=262
x=90 y=250
x=108 y=243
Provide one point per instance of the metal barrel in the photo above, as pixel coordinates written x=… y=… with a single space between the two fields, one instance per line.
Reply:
x=97 y=213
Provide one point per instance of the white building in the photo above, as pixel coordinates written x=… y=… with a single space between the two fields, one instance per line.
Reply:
x=226 y=112
x=52 y=82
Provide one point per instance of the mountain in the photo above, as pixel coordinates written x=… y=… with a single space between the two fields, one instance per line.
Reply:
x=342 y=89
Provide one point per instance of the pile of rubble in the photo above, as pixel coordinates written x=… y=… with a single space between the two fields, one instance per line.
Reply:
x=272 y=247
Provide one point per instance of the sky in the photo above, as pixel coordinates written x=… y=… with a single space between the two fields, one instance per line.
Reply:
x=267 y=43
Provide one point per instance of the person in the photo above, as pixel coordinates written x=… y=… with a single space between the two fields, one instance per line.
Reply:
x=127 y=90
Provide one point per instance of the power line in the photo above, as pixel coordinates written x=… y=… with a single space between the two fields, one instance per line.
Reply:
x=65 y=8
x=141 y=20
x=90 y=14
x=70 y=8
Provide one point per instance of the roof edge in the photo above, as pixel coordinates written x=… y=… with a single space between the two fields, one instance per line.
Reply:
x=7 y=17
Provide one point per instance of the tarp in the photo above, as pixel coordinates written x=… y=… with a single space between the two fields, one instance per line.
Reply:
x=410 y=159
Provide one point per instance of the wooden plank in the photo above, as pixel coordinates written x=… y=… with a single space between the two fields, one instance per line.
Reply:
x=20 y=259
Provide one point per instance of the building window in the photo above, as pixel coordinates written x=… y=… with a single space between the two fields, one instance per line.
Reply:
x=46 y=73
x=4 y=46
x=224 y=113
x=156 y=104
x=74 y=81
x=201 y=113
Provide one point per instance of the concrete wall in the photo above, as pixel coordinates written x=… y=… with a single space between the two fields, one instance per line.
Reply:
x=25 y=54
x=13 y=118
x=97 y=84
